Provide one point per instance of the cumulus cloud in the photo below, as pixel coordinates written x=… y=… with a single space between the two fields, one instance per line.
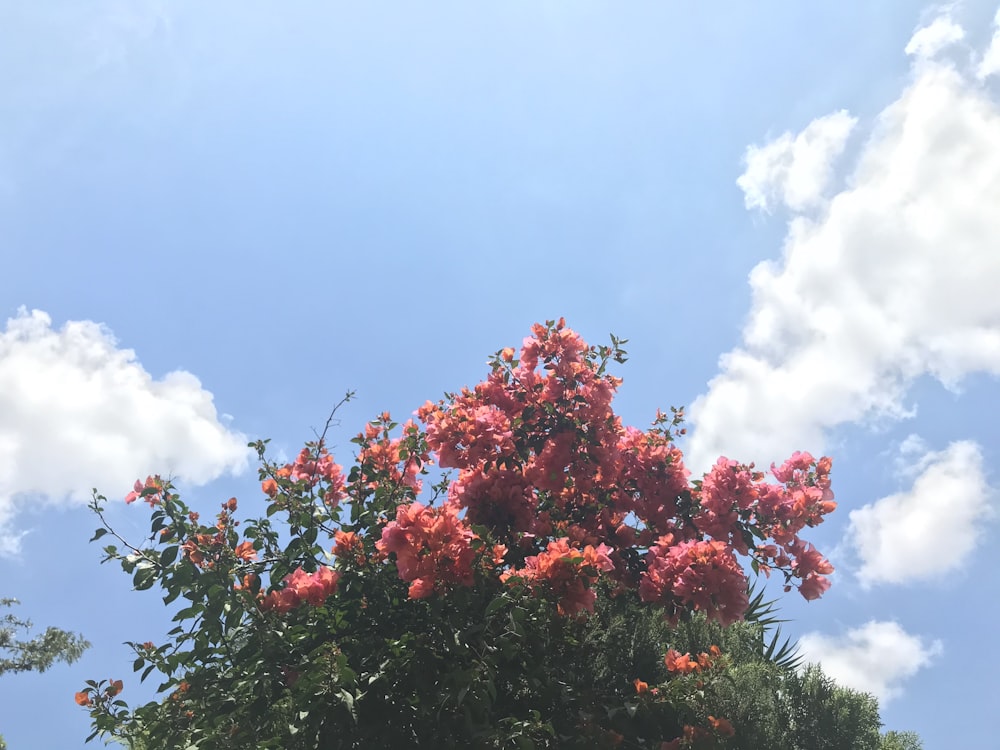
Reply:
x=990 y=63
x=944 y=510
x=77 y=412
x=795 y=170
x=893 y=278
x=874 y=658
x=942 y=32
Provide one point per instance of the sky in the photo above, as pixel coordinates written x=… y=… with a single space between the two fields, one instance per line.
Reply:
x=217 y=218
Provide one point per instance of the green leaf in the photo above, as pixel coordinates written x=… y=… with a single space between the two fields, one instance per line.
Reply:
x=494 y=605
x=168 y=556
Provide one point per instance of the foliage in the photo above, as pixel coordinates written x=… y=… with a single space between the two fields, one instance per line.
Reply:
x=901 y=741
x=34 y=654
x=485 y=611
x=770 y=703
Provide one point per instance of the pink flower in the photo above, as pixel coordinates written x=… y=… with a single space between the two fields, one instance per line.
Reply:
x=701 y=575
x=300 y=586
x=421 y=588
x=431 y=545
x=814 y=586
x=567 y=573
x=153 y=498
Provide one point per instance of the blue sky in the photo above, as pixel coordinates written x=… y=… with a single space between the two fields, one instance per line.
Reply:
x=218 y=218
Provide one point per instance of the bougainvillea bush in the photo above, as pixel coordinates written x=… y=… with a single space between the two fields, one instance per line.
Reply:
x=391 y=604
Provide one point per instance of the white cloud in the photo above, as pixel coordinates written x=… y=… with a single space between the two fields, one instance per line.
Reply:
x=77 y=412
x=942 y=32
x=944 y=510
x=990 y=63
x=894 y=278
x=874 y=658
x=795 y=170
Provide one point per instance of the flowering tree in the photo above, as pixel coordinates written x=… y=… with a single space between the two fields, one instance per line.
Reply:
x=365 y=609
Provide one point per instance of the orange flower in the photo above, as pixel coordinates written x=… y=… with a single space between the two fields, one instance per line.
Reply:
x=640 y=686
x=82 y=699
x=181 y=689
x=192 y=552
x=247 y=583
x=722 y=726
x=695 y=734
x=245 y=551
x=499 y=552
x=270 y=487
x=346 y=542
x=114 y=688
x=681 y=663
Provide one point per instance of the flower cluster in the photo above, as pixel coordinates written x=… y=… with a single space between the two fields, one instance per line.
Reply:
x=731 y=490
x=536 y=444
x=567 y=574
x=313 y=588
x=550 y=471
x=98 y=692
x=433 y=547
x=678 y=663
x=695 y=575
x=313 y=465
x=204 y=548
x=386 y=459
x=348 y=546
x=151 y=491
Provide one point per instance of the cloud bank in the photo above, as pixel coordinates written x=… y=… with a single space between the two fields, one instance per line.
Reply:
x=77 y=412
x=887 y=279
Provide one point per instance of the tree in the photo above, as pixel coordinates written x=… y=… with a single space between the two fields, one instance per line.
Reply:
x=463 y=615
x=769 y=700
x=34 y=654
x=901 y=741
